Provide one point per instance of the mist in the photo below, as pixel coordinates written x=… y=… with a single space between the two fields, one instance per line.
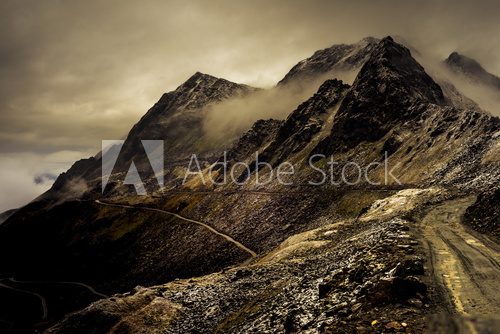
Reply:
x=487 y=97
x=24 y=176
x=226 y=121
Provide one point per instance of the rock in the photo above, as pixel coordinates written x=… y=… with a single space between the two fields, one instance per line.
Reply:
x=323 y=289
x=484 y=214
x=356 y=307
x=415 y=302
x=381 y=291
x=240 y=273
x=394 y=289
x=336 y=308
x=391 y=145
x=393 y=325
x=404 y=288
x=410 y=266
x=362 y=330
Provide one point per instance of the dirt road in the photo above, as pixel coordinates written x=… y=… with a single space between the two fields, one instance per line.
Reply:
x=81 y=284
x=43 y=302
x=208 y=227
x=466 y=268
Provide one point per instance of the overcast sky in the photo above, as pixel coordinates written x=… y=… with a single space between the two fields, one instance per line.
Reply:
x=75 y=72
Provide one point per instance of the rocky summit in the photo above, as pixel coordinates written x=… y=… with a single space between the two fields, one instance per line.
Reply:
x=379 y=213
x=471 y=69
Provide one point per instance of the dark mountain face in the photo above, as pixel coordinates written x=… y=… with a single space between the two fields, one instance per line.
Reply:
x=472 y=70
x=390 y=88
x=304 y=123
x=301 y=236
x=258 y=136
x=177 y=117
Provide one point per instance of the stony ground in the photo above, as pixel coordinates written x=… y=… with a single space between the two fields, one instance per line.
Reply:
x=364 y=275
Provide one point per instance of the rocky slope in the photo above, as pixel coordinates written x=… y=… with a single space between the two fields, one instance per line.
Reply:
x=340 y=57
x=301 y=126
x=322 y=280
x=388 y=88
x=484 y=214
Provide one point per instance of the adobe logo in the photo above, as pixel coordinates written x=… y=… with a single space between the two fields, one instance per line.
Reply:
x=111 y=150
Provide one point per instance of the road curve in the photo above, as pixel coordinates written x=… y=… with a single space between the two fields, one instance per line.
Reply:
x=208 y=227
x=86 y=286
x=466 y=267
x=43 y=302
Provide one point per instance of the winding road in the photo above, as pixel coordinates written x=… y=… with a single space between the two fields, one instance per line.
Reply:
x=43 y=302
x=83 y=285
x=208 y=227
x=465 y=267
x=42 y=299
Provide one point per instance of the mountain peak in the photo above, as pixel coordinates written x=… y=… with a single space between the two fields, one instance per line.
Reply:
x=198 y=79
x=388 y=47
x=388 y=39
x=339 y=56
x=202 y=76
x=392 y=69
x=200 y=89
x=179 y=113
x=471 y=69
x=384 y=94
x=463 y=62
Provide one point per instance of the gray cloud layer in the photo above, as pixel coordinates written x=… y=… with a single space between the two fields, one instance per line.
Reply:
x=75 y=72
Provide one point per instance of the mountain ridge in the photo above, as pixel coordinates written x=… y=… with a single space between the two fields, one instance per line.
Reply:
x=388 y=84
x=471 y=69
x=339 y=56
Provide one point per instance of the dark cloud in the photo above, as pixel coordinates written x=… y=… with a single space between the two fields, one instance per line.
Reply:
x=75 y=72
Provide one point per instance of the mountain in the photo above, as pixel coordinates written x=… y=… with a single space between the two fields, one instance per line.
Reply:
x=370 y=253
x=471 y=69
x=340 y=57
x=301 y=126
x=176 y=119
x=390 y=84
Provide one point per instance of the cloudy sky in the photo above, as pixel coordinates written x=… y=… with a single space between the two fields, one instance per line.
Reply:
x=75 y=72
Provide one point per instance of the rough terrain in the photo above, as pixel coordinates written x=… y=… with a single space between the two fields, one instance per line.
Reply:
x=398 y=251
